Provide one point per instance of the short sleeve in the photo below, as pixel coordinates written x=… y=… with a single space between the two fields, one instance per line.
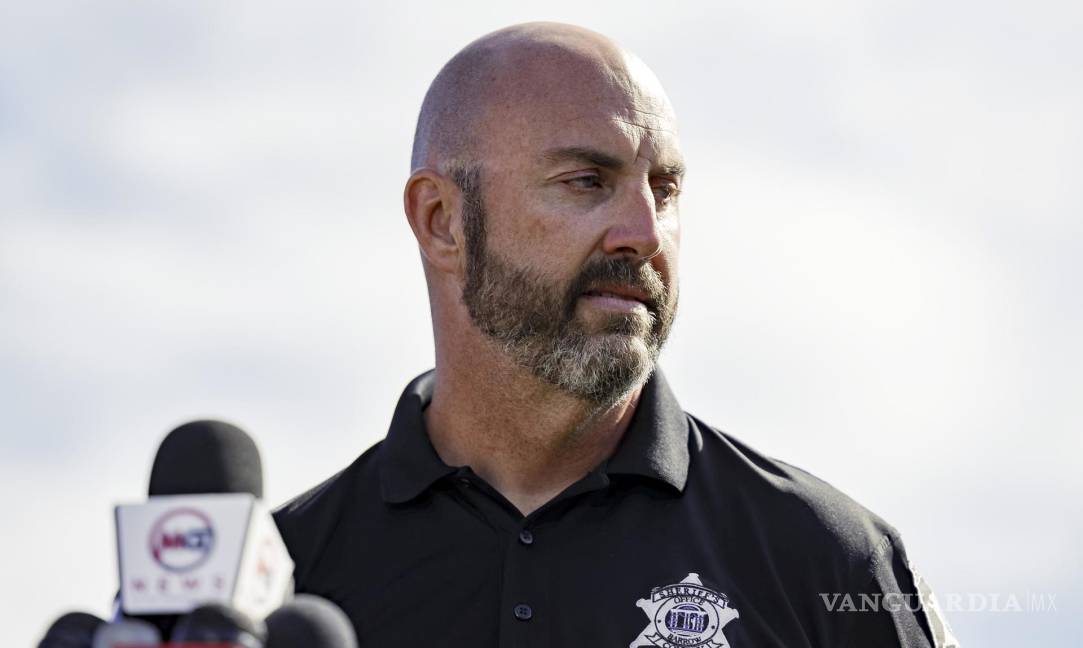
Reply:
x=897 y=608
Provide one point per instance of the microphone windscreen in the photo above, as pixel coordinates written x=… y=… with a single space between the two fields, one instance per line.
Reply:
x=206 y=457
x=217 y=623
x=312 y=622
x=127 y=633
x=71 y=630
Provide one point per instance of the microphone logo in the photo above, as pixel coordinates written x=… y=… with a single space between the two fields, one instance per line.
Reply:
x=181 y=539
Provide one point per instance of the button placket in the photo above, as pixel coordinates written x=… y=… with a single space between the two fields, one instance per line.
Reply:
x=525 y=598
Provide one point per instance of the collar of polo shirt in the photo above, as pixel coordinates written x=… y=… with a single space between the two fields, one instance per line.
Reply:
x=655 y=445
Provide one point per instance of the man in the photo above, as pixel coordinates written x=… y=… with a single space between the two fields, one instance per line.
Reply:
x=542 y=486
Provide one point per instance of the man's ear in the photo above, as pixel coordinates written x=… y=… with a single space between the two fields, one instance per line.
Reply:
x=433 y=207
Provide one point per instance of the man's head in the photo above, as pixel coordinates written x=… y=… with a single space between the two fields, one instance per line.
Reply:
x=543 y=195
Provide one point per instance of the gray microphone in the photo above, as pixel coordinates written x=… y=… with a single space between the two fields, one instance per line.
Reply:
x=312 y=622
x=127 y=633
x=217 y=623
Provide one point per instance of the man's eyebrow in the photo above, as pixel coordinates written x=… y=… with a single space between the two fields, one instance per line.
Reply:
x=675 y=169
x=601 y=159
x=583 y=154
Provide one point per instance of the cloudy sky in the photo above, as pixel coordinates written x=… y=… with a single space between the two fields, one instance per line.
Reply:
x=883 y=243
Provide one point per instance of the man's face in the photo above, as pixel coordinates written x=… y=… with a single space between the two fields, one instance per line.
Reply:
x=572 y=237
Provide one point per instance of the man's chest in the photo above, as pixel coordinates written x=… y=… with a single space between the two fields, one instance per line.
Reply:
x=603 y=576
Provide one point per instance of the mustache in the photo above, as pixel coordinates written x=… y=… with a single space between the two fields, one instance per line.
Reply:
x=620 y=271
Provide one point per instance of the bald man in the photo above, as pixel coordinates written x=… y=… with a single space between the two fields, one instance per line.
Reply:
x=542 y=485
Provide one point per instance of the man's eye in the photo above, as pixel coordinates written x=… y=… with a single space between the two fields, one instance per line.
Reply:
x=585 y=182
x=665 y=192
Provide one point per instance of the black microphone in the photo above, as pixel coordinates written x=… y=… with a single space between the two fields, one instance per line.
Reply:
x=203 y=536
x=312 y=622
x=219 y=624
x=206 y=457
x=71 y=630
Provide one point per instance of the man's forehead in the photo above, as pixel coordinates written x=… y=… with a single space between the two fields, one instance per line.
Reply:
x=577 y=87
x=639 y=116
x=626 y=135
x=587 y=108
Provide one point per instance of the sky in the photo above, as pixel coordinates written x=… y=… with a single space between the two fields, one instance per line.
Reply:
x=200 y=216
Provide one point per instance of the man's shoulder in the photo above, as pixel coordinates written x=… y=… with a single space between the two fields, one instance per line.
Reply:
x=306 y=521
x=790 y=503
x=817 y=541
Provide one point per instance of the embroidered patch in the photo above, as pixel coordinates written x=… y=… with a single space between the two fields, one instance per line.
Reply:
x=685 y=615
x=938 y=623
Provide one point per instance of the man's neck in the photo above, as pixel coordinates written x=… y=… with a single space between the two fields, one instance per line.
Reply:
x=527 y=439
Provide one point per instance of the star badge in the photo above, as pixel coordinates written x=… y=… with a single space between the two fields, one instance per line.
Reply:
x=685 y=615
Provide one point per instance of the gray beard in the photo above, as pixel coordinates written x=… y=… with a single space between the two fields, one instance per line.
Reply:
x=534 y=322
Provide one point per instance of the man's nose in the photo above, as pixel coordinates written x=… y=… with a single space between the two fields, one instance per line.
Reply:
x=633 y=224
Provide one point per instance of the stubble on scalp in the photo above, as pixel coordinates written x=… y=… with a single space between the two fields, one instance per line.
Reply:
x=511 y=65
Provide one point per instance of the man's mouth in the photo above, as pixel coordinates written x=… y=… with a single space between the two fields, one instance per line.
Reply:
x=623 y=298
x=601 y=293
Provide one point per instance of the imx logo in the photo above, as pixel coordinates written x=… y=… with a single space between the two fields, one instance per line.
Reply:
x=182 y=539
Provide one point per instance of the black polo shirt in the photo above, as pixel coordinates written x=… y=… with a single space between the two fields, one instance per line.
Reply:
x=684 y=537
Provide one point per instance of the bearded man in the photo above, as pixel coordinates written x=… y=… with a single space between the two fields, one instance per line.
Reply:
x=542 y=485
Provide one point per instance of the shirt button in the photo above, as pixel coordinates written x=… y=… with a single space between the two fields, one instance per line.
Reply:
x=526 y=537
x=523 y=612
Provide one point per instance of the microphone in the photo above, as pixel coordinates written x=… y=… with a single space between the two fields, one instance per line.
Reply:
x=71 y=630
x=310 y=621
x=206 y=457
x=127 y=633
x=203 y=536
x=219 y=625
